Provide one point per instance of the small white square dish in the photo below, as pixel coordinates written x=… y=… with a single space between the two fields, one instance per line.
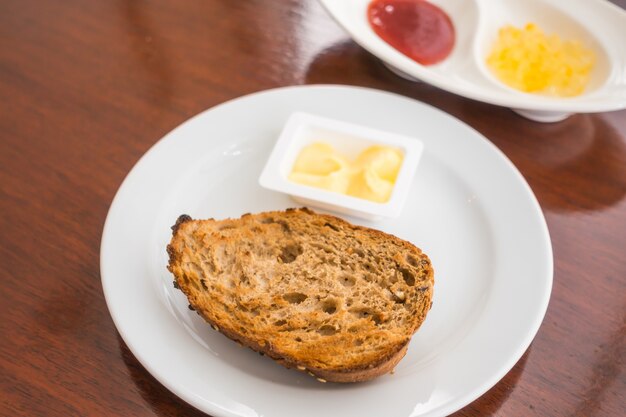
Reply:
x=303 y=129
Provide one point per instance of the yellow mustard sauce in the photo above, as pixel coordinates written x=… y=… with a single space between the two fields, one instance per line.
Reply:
x=529 y=60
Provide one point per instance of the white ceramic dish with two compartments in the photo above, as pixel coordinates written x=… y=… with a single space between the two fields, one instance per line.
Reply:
x=349 y=139
x=598 y=24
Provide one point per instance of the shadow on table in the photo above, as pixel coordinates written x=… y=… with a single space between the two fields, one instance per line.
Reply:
x=586 y=151
x=578 y=165
x=165 y=403
x=347 y=63
x=159 y=399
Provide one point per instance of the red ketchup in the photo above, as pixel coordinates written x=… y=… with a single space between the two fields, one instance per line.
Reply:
x=417 y=28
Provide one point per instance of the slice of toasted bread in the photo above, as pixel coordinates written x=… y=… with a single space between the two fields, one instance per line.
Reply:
x=311 y=291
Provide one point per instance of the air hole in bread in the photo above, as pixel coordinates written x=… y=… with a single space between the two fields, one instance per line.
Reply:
x=360 y=252
x=290 y=252
x=327 y=330
x=332 y=226
x=408 y=276
x=353 y=329
x=329 y=306
x=412 y=261
x=361 y=312
x=366 y=313
x=280 y=323
x=358 y=342
x=295 y=297
x=348 y=281
x=268 y=220
x=298 y=339
x=284 y=225
x=226 y=227
x=203 y=282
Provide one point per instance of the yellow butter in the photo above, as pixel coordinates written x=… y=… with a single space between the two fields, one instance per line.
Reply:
x=365 y=183
x=529 y=60
x=319 y=159
x=371 y=176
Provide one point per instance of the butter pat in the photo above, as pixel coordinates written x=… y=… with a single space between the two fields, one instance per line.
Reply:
x=371 y=176
x=318 y=165
x=342 y=167
x=367 y=184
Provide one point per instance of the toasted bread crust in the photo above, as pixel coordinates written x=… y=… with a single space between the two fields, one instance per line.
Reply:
x=392 y=342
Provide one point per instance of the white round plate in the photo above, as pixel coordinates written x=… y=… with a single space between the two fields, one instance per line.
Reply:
x=470 y=210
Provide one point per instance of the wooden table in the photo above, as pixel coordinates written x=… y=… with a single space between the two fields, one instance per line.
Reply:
x=86 y=87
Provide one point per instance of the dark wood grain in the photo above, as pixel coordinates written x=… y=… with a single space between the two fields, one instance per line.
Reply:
x=86 y=87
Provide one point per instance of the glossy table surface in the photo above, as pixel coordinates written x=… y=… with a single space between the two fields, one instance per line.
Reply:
x=86 y=87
